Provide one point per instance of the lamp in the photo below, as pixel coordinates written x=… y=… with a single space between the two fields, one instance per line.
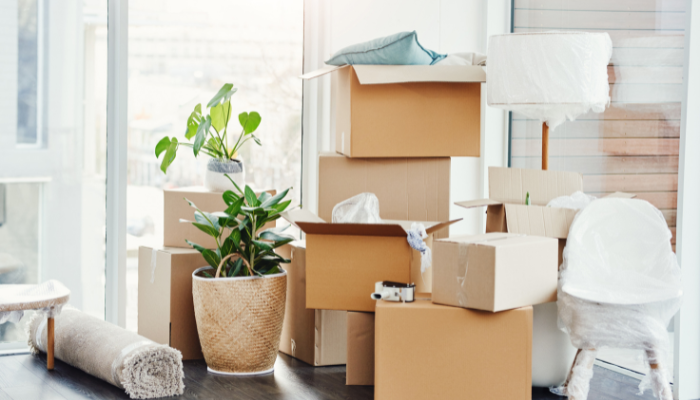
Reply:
x=550 y=76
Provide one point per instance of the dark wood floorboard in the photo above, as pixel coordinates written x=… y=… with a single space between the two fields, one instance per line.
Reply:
x=25 y=377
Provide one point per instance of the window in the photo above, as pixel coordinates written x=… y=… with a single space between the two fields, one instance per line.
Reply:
x=53 y=71
x=180 y=54
x=632 y=146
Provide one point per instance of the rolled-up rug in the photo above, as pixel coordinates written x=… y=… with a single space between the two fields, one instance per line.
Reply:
x=143 y=368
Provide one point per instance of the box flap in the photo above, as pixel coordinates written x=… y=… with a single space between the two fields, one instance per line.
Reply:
x=620 y=195
x=322 y=71
x=539 y=221
x=440 y=225
x=382 y=74
x=511 y=185
x=477 y=203
x=301 y=215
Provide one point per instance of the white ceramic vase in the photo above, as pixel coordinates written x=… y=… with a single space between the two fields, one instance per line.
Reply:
x=215 y=180
x=552 y=351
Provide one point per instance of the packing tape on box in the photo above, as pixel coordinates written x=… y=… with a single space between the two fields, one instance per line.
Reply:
x=154 y=255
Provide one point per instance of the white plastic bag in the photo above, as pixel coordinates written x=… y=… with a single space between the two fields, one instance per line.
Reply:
x=576 y=201
x=360 y=209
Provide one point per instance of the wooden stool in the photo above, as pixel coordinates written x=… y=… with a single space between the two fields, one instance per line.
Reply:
x=49 y=297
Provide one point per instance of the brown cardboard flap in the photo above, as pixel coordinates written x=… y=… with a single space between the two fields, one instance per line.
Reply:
x=478 y=203
x=383 y=74
x=539 y=221
x=440 y=225
x=620 y=195
x=511 y=185
x=312 y=228
x=322 y=71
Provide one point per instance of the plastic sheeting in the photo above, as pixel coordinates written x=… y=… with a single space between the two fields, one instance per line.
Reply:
x=620 y=283
x=576 y=201
x=49 y=297
x=360 y=209
x=550 y=76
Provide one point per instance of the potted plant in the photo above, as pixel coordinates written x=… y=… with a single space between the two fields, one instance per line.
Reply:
x=210 y=133
x=239 y=299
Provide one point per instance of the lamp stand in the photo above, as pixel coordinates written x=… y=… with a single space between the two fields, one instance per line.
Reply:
x=545 y=146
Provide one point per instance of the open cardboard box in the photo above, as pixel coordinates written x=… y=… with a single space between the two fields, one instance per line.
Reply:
x=407 y=188
x=506 y=209
x=344 y=261
x=406 y=110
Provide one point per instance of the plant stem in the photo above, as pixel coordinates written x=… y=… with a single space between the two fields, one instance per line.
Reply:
x=252 y=237
x=235 y=147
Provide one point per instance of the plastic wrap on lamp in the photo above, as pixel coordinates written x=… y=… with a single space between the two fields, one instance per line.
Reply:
x=550 y=76
x=360 y=209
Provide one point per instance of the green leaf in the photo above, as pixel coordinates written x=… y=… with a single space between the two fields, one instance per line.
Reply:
x=230 y=197
x=193 y=122
x=190 y=203
x=282 y=206
x=223 y=92
x=202 y=132
x=270 y=234
x=275 y=199
x=263 y=196
x=253 y=210
x=169 y=155
x=162 y=146
x=262 y=245
x=527 y=199
x=228 y=247
x=257 y=140
x=250 y=198
x=249 y=122
x=195 y=246
x=208 y=229
x=235 y=207
x=220 y=115
x=207 y=274
x=236 y=238
x=237 y=265
x=206 y=218
x=211 y=258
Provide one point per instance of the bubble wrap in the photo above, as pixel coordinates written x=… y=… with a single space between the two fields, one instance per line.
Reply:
x=360 y=209
x=550 y=76
x=576 y=201
x=620 y=283
x=49 y=297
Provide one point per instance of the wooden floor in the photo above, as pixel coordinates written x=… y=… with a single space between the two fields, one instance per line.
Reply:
x=24 y=377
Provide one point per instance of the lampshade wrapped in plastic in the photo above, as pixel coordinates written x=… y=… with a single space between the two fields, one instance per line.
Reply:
x=550 y=76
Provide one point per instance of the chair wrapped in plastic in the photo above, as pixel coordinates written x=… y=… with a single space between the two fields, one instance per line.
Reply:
x=620 y=285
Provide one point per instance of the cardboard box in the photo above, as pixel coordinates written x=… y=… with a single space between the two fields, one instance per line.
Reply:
x=360 y=367
x=165 y=307
x=317 y=337
x=412 y=189
x=344 y=261
x=406 y=110
x=506 y=209
x=176 y=208
x=495 y=271
x=429 y=351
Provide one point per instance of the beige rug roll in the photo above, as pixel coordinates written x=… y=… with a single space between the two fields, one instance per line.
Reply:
x=143 y=368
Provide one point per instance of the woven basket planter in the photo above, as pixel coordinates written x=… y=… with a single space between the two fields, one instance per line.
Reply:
x=239 y=321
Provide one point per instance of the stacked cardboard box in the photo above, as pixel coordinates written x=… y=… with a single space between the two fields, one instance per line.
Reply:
x=396 y=128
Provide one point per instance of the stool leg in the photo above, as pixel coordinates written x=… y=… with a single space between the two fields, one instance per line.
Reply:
x=657 y=373
x=49 y=344
x=581 y=374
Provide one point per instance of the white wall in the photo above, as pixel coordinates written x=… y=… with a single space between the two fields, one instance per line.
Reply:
x=444 y=26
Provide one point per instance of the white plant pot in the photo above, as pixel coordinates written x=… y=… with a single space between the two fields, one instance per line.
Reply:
x=552 y=351
x=215 y=180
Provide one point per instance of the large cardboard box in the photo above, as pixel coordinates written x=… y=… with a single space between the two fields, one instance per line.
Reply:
x=429 y=351
x=317 y=337
x=411 y=189
x=406 y=110
x=176 y=208
x=495 y=271
x=165 y=307
x=344 y=261
x=360 y=367
x=508 y=189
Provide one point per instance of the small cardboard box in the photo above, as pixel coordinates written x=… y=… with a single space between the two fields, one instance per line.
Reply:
x=412 y=189
x=176 y=208
x=507 y=212
x=429 y=351
x=317 y=337
x=344 y=261
x=495 y=271
x=360 y=367
x=406 y=110
x=165 y=307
